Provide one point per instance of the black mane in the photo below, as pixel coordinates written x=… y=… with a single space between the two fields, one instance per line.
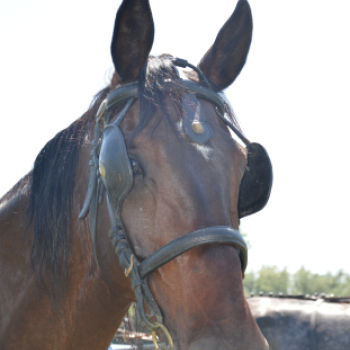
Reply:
x=49 y=209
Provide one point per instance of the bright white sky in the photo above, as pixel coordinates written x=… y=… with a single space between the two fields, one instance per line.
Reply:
x=292 y=97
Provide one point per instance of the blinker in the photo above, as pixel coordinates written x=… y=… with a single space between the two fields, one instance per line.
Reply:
x=115 y=162
x=256 y=184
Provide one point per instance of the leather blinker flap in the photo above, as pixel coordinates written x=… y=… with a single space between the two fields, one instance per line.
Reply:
x=194 y=123
x=115 y=167
x=256 y=183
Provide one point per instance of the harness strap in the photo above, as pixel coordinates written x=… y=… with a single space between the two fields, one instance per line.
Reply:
x=209 y=235
x=93 y=174
x=217 y=101
x=128 y=91
x=121 y=94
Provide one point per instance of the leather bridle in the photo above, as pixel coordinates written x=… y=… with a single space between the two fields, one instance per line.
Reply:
x=136 y=270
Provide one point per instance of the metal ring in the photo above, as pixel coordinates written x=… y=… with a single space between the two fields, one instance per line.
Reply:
x=165 y=331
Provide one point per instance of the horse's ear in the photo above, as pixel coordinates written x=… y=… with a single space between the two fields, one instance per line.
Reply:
x=132 y=38
x=225 y=59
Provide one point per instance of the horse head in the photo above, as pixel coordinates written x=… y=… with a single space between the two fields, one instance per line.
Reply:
x=177 y=184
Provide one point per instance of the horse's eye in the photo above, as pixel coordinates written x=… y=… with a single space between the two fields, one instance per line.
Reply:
x=135 y=167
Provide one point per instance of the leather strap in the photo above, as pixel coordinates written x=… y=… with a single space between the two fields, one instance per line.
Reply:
x=217 y=101
x=205 y=93
x=210 y=235
x=192 y=112
x=121 y=94
x=125 y=92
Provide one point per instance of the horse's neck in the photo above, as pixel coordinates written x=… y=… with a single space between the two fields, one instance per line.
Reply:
x=14 y=253
x=88 y=314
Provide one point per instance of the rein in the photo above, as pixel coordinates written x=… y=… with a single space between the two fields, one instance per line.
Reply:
x=110 y=170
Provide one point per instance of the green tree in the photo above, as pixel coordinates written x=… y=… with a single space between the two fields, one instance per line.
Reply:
x=271 y=279
x=305 y=282
x=249 y=283
x=268 y=279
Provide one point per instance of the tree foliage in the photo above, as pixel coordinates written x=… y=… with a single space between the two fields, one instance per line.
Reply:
x=273 y=279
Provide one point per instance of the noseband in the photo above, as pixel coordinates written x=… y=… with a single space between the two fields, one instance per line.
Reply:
x=111 y=171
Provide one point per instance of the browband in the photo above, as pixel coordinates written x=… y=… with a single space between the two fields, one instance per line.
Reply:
x=125 y=92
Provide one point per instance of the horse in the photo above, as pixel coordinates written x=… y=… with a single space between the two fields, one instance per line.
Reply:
x=303 y=323
x=139 y=200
